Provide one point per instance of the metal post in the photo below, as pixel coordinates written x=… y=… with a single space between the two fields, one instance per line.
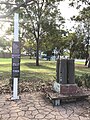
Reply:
x=16 y=33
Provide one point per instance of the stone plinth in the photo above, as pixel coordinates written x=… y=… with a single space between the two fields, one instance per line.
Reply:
x=68 y=89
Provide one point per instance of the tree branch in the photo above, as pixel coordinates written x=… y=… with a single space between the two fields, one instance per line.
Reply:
x=31 y=23
x=15 y=8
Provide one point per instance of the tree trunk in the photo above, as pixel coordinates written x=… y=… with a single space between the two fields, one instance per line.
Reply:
x=87 y=55
x=89 y=64
x=37 y=53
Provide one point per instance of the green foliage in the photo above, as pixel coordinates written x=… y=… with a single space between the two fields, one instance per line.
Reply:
x=83 y=29
x=41 y=25
x=4 y=44
x=87 y=80
x=38 y=23
x=78 y=80
x=83 y=80
x=74 y=45
x=79 y=3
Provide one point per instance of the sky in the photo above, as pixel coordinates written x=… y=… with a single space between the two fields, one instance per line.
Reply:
x=68 y=12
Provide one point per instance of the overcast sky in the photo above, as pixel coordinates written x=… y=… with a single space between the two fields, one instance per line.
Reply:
x=68 y=12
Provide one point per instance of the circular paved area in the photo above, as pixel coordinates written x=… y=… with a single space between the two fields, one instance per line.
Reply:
x=33 y=106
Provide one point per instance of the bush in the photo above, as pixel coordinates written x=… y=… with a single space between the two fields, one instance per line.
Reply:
x=87 y=80
x=83 y=80
x=78 y=80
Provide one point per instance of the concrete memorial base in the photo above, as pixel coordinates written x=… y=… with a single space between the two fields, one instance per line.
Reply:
x=65 y=88
x=65 y=93
x=68 y=89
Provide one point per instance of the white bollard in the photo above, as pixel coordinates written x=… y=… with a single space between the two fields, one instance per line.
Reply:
x=16 y=33
x=15 y=89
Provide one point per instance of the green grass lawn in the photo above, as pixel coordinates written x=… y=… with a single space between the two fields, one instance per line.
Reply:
x=80 y=68
x=29 y=71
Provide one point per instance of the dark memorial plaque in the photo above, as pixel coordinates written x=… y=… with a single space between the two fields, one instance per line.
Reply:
x=16 y=48
x=16 y=59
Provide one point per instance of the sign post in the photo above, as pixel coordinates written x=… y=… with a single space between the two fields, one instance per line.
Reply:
x=15 y=58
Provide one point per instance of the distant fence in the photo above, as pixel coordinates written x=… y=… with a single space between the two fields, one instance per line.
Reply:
x=5 y=55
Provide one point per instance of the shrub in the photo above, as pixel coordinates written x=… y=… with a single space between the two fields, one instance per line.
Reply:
x=83 y=80
x=78 y=80
x=86 y=80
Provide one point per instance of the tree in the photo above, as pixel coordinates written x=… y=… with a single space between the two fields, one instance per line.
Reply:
x=52 y=39
x=8 y=7
x=5 y=45
x=40 y=16
x=78 y=3
x=74 y=44
x=84 y=20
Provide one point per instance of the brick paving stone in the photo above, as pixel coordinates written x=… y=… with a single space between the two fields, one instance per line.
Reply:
x=48 y=110
x=29 y=114
x=21 y=113
x=5 y=116
x=60 y=109
x=37 y=106
x=2 y=98
x=7 y=103
x=62 y=119
x=42 y=103
x=14 y=111
x=84 y=118
x=7 y=107
x=78 y=111
x=33 y=107
x=14 y=107
x=50 y=116
x=21 y=105
x=24 y=108
x=22 y=118
x=74 y=118
x=13 y=114
x=50 y=106
x=44 y=119
x=1 y=109
x=13 y=118
x=58 y=117
x=69 y=112
x=63 y=113
x=35 y=112
x=43 y=111
x=55 y=113
x=40 y=116
x=1 y=104
x=19 y=118
x=3 y=112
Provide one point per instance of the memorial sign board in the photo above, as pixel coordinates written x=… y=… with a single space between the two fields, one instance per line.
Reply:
x=16 y=59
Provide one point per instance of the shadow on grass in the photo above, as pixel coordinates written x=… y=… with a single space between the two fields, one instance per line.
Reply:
x=35 y=76
x=5 y=65
x=33 y=66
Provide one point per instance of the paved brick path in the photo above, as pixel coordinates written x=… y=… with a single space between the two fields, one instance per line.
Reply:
x=33 y=106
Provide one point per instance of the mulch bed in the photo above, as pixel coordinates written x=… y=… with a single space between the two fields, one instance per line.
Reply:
x=26 y=86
